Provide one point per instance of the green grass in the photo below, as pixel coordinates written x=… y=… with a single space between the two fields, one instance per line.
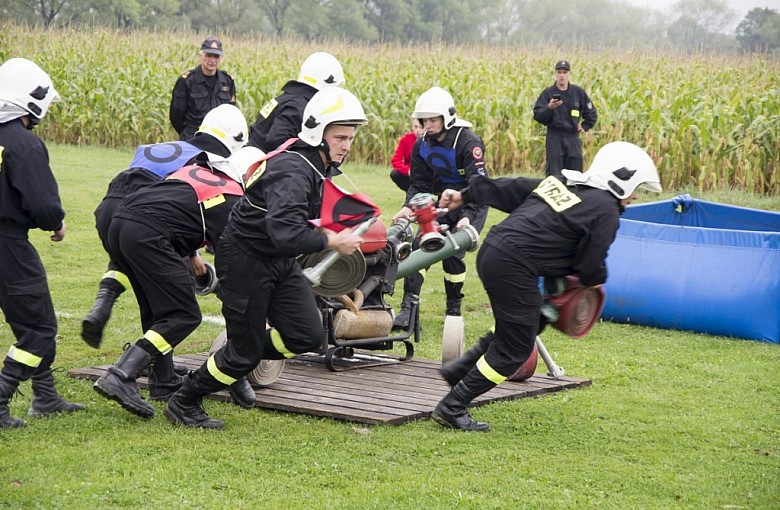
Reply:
x=673 y=420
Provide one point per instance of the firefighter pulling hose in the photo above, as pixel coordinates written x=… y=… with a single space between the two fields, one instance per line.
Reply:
x=356 y=315
x=359 y=316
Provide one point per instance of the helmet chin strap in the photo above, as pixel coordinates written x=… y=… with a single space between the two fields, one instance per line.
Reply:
x=436 y=136
x=32 y=121
x=325 y=148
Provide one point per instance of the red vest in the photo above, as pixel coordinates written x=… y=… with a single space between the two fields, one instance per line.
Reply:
x=207 y=184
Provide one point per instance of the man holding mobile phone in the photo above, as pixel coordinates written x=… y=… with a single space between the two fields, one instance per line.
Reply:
x=567 y=111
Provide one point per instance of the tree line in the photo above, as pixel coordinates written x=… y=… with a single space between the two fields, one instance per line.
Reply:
x=691 y=26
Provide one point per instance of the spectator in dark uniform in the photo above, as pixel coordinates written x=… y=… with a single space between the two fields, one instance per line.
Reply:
x=553 y=230
x=29 y=199
x=149 y=236
x=260 y=278
x=447 y=156
x=567 y=111
x=200 y=90
x=280 y=119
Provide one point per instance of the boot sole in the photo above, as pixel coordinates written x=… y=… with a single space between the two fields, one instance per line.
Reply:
x=446 y=424
x=91 y=333
x=33 y=413
x=176 y=421
x=16 y=424
x=442 y=421
x=111 y=393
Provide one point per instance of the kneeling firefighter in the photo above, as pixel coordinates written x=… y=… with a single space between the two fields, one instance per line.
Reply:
x=150 y=234
x=553 y=230
x=214 y=141
x=256 y=259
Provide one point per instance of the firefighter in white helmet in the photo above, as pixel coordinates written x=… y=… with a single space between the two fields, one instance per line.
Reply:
x=554 y=229
x=223 y=131
x=280 y=119
x=448 y=155
x=29 y=199
x=150 y=235
x=260 y=278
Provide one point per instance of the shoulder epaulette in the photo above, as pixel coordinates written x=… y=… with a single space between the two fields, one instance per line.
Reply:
x=185 y=74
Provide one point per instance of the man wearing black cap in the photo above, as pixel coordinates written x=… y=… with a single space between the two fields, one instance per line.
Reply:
x=567 y=111
x=201 y=89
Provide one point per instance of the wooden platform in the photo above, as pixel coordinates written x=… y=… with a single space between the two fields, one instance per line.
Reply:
x=391 y=393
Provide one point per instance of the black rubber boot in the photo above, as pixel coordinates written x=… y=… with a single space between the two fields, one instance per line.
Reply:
x=412 y=287
x=454 y=298
x=242 y=393
x=119 y=382
x=95 y=321
x=45 y=399
x=163 y=379
x=456 y=370
x=180 y=369
x=8 y=387
x=186 y=406
x=452 y=411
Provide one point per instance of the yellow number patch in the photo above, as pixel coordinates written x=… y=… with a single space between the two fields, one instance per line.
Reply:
x=268 y=108
x=258 y=173
x=556 y=194
x=214 y=201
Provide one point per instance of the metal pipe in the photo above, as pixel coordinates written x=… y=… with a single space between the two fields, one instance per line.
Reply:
x=314 y=274
x=465 y=239
x=553 y=370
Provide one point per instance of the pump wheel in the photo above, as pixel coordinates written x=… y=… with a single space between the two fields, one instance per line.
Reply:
x=452 y=338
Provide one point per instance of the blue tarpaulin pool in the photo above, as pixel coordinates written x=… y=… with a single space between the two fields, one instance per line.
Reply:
x=699 y=266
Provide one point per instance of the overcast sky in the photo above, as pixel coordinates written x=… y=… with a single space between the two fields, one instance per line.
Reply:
x=740 y=6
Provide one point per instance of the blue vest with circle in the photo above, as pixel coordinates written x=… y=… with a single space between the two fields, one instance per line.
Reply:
x=442 y=161
x=162 y=159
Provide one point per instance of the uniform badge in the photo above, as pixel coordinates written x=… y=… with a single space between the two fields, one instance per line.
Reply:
x=476 y=153
x=556 y=194
x=268 y=108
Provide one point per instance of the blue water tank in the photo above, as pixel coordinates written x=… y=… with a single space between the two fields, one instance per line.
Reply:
x=700 y=266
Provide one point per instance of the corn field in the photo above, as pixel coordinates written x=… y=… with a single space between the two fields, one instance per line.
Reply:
x=709 y=122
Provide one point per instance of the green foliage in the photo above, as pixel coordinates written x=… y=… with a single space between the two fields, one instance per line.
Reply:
x=709 y=122
x=760 y=30
x=699 y=24
x=673 y=420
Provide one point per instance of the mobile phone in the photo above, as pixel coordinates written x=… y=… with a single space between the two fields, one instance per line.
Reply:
x=556 y=97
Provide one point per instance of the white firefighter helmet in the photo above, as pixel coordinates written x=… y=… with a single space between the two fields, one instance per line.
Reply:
x=332 y=105
x=321 y=70
x=436 y=102
x=239 y=163
x=620 y=168
x=27 y=86
x=227 y=124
